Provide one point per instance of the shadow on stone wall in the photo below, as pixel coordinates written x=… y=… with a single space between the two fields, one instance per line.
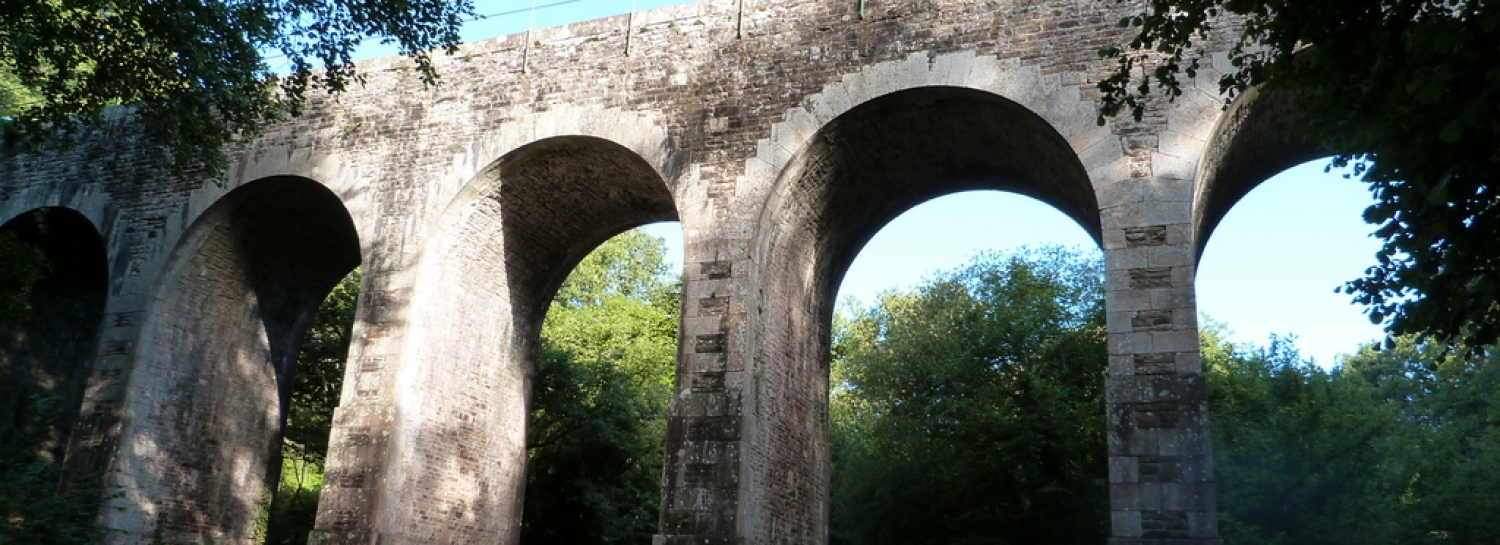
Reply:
x=535 y=214
x=201 y=449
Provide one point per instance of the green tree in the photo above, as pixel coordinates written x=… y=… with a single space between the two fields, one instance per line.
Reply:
x=1302 y=455
x=970 y=410
x=14 y=95
x=604 y=375
x=317 y=384
x=1394 y=446
x=1448 y=400
x=1406 y=90
x=195 y=68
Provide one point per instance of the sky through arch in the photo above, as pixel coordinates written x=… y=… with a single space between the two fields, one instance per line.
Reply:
x=1272 y=264
x=1270 y=267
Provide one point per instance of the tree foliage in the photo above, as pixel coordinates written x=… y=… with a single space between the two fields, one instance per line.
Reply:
x=1407 y=91
x=970 y=410
x=1396 y=446
x=1301 y=454
x=41 y=502
x=14 y=96
x=604 y=375
x=197 y=69
x=1448 y=400
x=22 y=266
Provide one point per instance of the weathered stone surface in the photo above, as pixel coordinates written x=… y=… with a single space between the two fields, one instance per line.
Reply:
x=782 y=134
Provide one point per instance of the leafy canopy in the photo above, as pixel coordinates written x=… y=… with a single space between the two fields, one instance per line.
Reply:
x=1395 y=446
x=1447 y=399
x=1301 y=454
x=1408 y=91
x=971 y=409
x=196 y=69
x=599 y=398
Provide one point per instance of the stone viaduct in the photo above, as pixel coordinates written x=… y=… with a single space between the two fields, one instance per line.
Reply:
x=781 y=133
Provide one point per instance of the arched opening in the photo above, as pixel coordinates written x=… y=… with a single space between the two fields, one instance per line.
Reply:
x=54 y=280
x=526 y=223
x=966 y=403
x=200 y=451
x=1252 y=142
x=856 y=174
x=1321 y=439
x=605 y=367
x=317 y=386
x=1272 y=356
x=1294 y=232
x=48 y=345
x=1304 y=447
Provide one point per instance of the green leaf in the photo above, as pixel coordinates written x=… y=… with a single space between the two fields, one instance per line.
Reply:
x=1453 y=131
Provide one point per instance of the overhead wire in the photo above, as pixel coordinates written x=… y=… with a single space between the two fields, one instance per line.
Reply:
x=532 y=9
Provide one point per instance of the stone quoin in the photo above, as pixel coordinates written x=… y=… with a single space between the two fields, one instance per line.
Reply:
x=782 y=134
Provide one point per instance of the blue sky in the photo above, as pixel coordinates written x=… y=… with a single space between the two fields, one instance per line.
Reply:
x=1270 y=268
x=501 y=17
x=1273 y=263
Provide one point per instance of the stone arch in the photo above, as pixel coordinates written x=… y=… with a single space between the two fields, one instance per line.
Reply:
x=86 y=200
x=51 y=351
x=1252 y=141
x=857 y=173
x=470 y=172
x=345 y=179
x=504 y=246
x=205 y=402
x=911 y=146
x=1056 y=97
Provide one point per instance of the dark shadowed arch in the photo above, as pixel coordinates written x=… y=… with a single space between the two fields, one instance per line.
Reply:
x=507 y=246
x=46 y=356
x=563 y=197
x=199 y=454
x=856 y=174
